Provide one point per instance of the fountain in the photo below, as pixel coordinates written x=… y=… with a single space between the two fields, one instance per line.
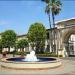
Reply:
x=31 y=57
x=30 y=62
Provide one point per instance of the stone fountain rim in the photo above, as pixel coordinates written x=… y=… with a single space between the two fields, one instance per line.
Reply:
x=31 y=65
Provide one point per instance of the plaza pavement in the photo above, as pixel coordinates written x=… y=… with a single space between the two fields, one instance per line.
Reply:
x=67 y=68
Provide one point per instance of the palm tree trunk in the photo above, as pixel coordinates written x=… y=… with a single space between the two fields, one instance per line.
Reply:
x=54 y=46
x=49 y=20
x=50 y=34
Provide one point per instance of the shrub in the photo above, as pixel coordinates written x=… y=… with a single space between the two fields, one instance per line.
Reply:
x=60 y=55
x=20 y=53
x=0 y=51
x=47 y=55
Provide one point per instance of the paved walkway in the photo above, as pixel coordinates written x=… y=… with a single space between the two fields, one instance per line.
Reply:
x=67 y=68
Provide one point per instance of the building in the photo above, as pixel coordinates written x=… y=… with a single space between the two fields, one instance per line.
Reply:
x=64 y=37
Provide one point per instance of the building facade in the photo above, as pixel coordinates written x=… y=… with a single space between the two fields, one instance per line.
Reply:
x=64 y=38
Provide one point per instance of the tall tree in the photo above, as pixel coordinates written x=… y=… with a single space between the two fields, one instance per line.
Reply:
x=48 y=10
x=54 y=7
x=37 y=36
x=8 y=39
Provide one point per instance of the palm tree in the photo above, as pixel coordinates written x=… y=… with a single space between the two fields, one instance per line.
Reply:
x=47 y=11
x=55 y=9
x=53 y=6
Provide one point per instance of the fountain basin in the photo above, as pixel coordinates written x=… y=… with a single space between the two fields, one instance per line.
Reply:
x=18 y=63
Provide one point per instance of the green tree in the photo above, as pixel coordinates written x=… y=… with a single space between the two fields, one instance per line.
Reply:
x=8 y=39
x=37 y=36
x=23 y=43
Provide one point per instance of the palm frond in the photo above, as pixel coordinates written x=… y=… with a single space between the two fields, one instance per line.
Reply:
x=58 y=3
x=47 y=10
x=56 y=7
x=57 y=11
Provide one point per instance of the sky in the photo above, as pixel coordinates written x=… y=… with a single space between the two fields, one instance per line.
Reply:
x=18 y=15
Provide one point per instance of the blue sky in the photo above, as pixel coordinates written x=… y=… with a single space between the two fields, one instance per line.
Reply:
x=19 y=15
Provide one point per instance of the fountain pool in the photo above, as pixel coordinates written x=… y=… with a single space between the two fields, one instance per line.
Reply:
x=30 y=62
